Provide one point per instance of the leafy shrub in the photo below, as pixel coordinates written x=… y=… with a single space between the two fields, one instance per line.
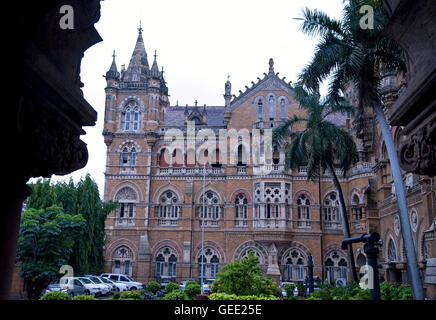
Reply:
x=153 y=286
x=176 y=294
x=225 y=296
x=171 y=286
x=300 y=287
x=351 y=291
x=131 y=295
x=271 y=288
x=192 y=289
x=390 y=291
x=116 y=295
x=289 y=288
x=84 y=297
x=56 y=295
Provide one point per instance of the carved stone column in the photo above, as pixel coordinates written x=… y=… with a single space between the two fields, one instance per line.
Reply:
x=43 y=105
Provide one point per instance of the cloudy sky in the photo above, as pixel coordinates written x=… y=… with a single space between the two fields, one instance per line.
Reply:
x=199 y=43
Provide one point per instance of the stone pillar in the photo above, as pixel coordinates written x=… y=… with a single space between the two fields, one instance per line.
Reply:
x=9 y=228
x=273 y=270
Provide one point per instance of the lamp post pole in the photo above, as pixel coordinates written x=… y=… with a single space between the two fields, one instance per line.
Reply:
x=202 y=229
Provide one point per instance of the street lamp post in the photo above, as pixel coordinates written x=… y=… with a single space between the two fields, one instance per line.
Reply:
x=202 y=229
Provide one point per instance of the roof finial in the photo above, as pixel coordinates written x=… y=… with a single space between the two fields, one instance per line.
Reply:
x=196 y=102
x=228 y=77
x=271 y=66
x=140 y=27
x=155 y=54
x=113 y=55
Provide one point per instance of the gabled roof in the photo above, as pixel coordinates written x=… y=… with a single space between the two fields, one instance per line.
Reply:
x=270 y=81
x=175 y=116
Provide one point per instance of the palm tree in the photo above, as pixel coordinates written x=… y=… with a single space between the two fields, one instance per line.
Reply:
x=320 y=146
x=348 y=54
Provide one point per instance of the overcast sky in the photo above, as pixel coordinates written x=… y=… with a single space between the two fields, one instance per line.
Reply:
x=198 y=42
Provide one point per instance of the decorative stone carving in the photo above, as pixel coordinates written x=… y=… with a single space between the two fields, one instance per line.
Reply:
x=418 y=154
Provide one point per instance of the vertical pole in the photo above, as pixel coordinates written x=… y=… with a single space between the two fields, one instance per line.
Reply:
x=310 y=271
x=202 y=228
x=406 y=231
x=371 y=253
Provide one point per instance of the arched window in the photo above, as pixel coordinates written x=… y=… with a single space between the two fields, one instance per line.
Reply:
x=166 y=264
x=303 y=211
x=242 y=156
x=122 y=258
x=336 y=266
x=241 y=210
x=208 y=263
x=392 y=251
x=124 y=157
x=133 y=157
x=295 y=262
x=128 y=119
x=260 y=110
x=127 y=199
x=135 y=119
x=272 y=108
x=356 y=211
x=331 y=210
x=283 y=113
x=169 y=209
x=212 y=209
x=276 y=156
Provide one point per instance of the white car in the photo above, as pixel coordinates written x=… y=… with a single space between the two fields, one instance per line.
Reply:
x=89 y=287
x=282 y=285
x=118 y=286
x=122 y=278
x=105 y=288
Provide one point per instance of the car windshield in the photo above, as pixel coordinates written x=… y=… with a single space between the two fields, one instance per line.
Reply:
x=106 y=280
x=96 y=280
x=86 y=280
x=130 y=278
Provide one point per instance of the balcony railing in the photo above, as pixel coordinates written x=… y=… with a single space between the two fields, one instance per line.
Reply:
x=168 y=222
x=189 y=171
x=241 y=223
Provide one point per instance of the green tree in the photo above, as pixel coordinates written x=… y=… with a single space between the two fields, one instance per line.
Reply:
x=320 y=146
x=45 y=243
x=349 y=54
x=81 y=198
x=244 y=278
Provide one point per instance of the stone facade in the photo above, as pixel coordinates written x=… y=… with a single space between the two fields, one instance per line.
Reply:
x=157 y=231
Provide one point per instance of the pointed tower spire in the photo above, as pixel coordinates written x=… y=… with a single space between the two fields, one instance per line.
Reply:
x=154 y=67
x=113 y=71
x=138 y=66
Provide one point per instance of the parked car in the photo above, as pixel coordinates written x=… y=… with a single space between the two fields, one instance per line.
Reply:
x=182 y=284
x=105 y=288
x=117 y=286
x=75 y=290
x=80 y=283
x=131 y=284
x=282 y=286
x=206 y=285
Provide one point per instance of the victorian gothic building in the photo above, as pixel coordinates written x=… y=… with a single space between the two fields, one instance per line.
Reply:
x=166 y=197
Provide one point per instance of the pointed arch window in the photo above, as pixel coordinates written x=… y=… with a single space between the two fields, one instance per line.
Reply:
x=169 y=209
x=125 y=156
x=303 y=211
x=272 y=108
x=208 y=263
x=260 y=110
x=128 y=119
x=211 y=213
x=136 y=119
x=283 y=113
x=133 y=157
x=166 y=264
x=295 y=263
x=127 y=199
x=392 y=251
x=331 y=211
